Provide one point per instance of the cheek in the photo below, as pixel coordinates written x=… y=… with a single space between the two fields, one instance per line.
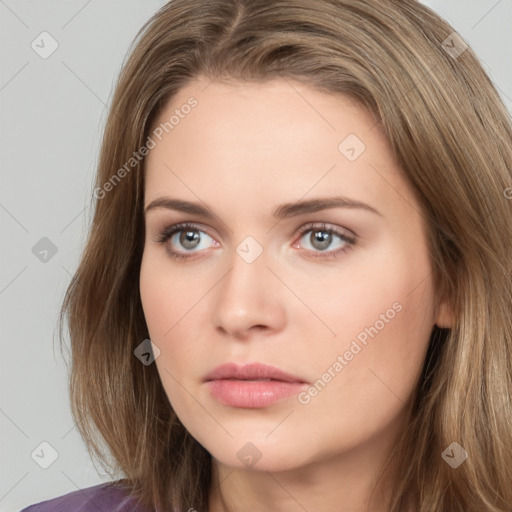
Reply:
x=155 y=301
x=162 y=303
x=383 y=332
x=170 y=304
x=382 y=300
x=166 y=299
x=382 y=313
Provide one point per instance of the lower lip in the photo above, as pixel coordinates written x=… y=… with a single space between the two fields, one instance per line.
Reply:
x=252 y=393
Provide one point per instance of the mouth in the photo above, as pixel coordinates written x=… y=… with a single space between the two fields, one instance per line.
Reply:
x=253 y=385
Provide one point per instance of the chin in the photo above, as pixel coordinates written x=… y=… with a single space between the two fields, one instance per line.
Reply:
x=255 y=453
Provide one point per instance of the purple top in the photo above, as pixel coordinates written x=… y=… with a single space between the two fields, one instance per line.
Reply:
x=98 y=498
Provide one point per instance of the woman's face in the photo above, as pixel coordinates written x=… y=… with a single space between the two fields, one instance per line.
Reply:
x=307 y=252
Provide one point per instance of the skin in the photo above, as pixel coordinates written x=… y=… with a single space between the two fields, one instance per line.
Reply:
x=243 y=150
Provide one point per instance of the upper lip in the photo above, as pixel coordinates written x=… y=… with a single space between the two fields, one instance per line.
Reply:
x=252 y=371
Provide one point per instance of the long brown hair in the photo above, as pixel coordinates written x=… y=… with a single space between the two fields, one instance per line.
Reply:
x=452 y=137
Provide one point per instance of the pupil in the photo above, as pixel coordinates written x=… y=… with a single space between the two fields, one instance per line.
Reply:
x=187 y=238
x=321 y=239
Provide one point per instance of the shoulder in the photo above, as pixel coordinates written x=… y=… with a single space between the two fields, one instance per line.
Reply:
x=107 y=497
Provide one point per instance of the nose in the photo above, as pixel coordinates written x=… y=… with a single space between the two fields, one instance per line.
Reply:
x=249 y=299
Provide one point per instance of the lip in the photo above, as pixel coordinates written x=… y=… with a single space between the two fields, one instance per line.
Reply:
x=252 y=385
x=253 y=371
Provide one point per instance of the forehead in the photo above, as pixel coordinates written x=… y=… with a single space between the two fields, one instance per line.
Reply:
x=270 y=142
x=267 y=114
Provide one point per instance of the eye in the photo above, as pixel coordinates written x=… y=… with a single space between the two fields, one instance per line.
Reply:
x=187 y=235
x=321 y=238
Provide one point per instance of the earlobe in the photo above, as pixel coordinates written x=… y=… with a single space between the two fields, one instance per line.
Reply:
x=444 y=318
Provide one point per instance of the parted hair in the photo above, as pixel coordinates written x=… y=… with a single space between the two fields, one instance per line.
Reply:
x=452 y=137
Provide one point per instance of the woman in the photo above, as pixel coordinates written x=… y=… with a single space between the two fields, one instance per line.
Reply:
x=296 y=293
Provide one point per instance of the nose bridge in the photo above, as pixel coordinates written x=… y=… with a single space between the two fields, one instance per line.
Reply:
x=247 y=278
x=246 y=296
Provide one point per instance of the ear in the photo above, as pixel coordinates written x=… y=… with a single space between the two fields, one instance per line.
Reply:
x=444 y=317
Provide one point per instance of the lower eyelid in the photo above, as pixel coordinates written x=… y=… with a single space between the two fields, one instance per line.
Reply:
x=348 y=244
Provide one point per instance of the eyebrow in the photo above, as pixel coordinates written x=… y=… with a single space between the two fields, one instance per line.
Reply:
x=283 y=211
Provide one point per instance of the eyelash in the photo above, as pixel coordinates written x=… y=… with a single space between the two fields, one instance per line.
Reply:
x=169 y=231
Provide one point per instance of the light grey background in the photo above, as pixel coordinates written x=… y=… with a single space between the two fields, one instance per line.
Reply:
x=52 y=113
